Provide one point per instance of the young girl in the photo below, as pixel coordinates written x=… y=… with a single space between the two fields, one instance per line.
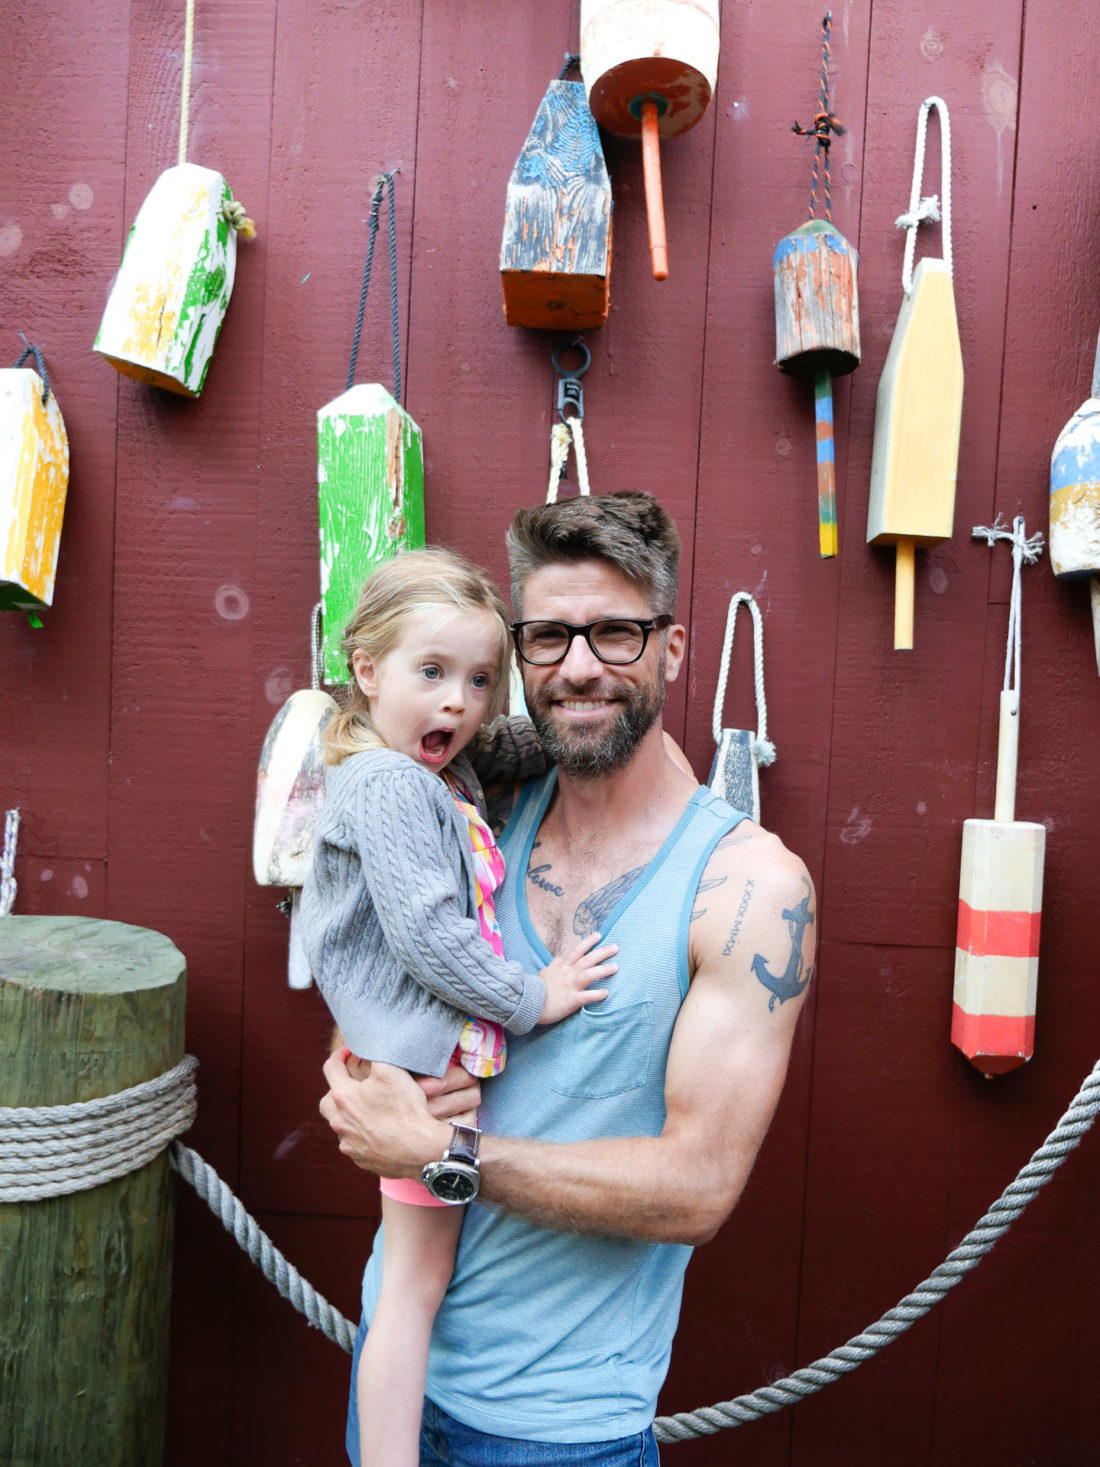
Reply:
x=398 y=915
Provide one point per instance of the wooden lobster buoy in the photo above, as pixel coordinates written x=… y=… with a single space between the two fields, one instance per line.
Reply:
x=1000 y=899
x=290 y=789
x=34 y=478
x=555 y=255
x=817 y=335
x=370 y=488
x=170 y=296
x=650 y=67
x=918 y=410
x=1075 y=500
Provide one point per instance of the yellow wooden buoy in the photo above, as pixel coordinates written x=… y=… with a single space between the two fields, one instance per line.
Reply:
x=34 y=478
x=918 y=410
x=650 y=67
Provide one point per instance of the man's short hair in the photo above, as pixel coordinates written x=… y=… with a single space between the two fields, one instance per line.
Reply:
x=628 y=529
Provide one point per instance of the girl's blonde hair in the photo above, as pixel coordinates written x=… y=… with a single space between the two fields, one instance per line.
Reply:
x=412 y=581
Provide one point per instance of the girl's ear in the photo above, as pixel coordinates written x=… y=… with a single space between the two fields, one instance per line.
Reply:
x=365 y=674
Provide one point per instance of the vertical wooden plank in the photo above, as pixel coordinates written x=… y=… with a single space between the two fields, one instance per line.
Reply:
x=905 y=730
x=1036 y=1302
x=180 y=807
x=61 y=230
x=756 y=530
x=319 y=217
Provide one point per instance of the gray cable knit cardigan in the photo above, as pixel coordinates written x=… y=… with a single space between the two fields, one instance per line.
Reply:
x=389 y=914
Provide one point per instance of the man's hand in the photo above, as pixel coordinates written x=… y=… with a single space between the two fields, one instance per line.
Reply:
x=386 y=1121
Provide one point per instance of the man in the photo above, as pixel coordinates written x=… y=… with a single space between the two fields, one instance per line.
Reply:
x=620 y=1137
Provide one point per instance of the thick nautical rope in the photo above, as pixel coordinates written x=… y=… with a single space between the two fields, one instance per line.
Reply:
x=762 y=746
x=935 y=206
x=53 y=1150
x=705 y=1421
x=7 y=861
x=860 y=1348
x=259 y=1247
x=188 y=53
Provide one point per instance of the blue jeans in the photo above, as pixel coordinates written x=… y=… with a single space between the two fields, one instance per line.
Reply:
x=445 y=1442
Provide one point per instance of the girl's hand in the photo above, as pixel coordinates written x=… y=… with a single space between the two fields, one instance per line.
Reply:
x=567 y=978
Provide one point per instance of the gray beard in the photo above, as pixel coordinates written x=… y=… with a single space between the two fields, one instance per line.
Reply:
x=587 y=755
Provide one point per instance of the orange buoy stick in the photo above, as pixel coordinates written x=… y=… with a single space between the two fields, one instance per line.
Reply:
x=654 y=203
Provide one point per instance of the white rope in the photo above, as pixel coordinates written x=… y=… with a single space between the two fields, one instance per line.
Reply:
x=7 y=862
x=793 y=1388
x=561 y=434
x=259 y=1247
x=1024 y=548
x=937 y=205
x=762 y=747
x=53 y=1150
x=185 y=100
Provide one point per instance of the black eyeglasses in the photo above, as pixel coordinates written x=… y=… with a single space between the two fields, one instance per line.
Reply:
x=616 y=641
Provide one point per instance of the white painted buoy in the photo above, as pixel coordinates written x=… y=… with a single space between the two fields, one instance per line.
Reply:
x=290 y=790
x=172 y=290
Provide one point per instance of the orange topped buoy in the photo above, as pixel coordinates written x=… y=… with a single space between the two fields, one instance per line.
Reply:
x=650 y=68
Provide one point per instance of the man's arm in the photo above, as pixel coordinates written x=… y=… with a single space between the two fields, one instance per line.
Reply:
x=752 y=953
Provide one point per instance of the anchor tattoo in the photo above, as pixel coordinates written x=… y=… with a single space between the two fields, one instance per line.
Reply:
x=789 y=983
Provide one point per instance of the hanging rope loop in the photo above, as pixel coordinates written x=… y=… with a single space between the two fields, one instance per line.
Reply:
x=762 y=747
x=569 y=431
x=934 y=207
x=316 y=653
x=1026 y=550
x=385 y=183
x=826 y=126
x=40 y=363
x=570 y=61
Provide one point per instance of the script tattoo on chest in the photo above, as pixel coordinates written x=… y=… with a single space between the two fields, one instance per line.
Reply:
x=537 y=875
x=595 y=909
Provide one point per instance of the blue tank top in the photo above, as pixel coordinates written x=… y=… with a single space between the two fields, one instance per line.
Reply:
x=545 y=1335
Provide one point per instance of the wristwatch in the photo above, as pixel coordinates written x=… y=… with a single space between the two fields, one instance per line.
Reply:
x=456 y=1178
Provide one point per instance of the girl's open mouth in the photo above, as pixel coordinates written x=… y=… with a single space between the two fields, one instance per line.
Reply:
x=434 y=745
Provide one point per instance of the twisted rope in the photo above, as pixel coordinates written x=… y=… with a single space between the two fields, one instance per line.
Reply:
x=185 y=100
x=994 y=1224
x=921 y=209
x=53 y=1150
x=7 y=862
x=236 y=214
x=385 y=181
x=824 y=125
x=568 y=430
x=33 y=351
x=762 y=746
x=1025 y=549
x=259 y=1247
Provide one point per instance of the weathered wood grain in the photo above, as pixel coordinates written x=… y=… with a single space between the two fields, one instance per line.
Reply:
x=87 y=1008
x=555 y=254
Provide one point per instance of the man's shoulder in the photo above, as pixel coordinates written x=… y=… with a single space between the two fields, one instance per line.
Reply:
x=503 y=800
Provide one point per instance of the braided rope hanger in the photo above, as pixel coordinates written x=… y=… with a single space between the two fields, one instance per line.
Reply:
x=763 y=748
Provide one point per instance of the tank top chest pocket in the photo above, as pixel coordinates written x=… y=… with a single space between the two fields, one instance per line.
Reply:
x=602 y=1052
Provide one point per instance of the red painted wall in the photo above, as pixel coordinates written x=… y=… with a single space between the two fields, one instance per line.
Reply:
x=131 y=723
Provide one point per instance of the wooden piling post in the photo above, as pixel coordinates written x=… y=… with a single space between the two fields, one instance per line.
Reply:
x=87 y=1008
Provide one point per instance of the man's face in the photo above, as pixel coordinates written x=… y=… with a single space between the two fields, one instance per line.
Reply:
x=590 y=717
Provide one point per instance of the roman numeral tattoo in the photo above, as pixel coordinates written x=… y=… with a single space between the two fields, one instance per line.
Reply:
x=746 y=898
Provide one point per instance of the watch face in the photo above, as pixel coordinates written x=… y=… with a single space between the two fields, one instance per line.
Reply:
x=451 y=1183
